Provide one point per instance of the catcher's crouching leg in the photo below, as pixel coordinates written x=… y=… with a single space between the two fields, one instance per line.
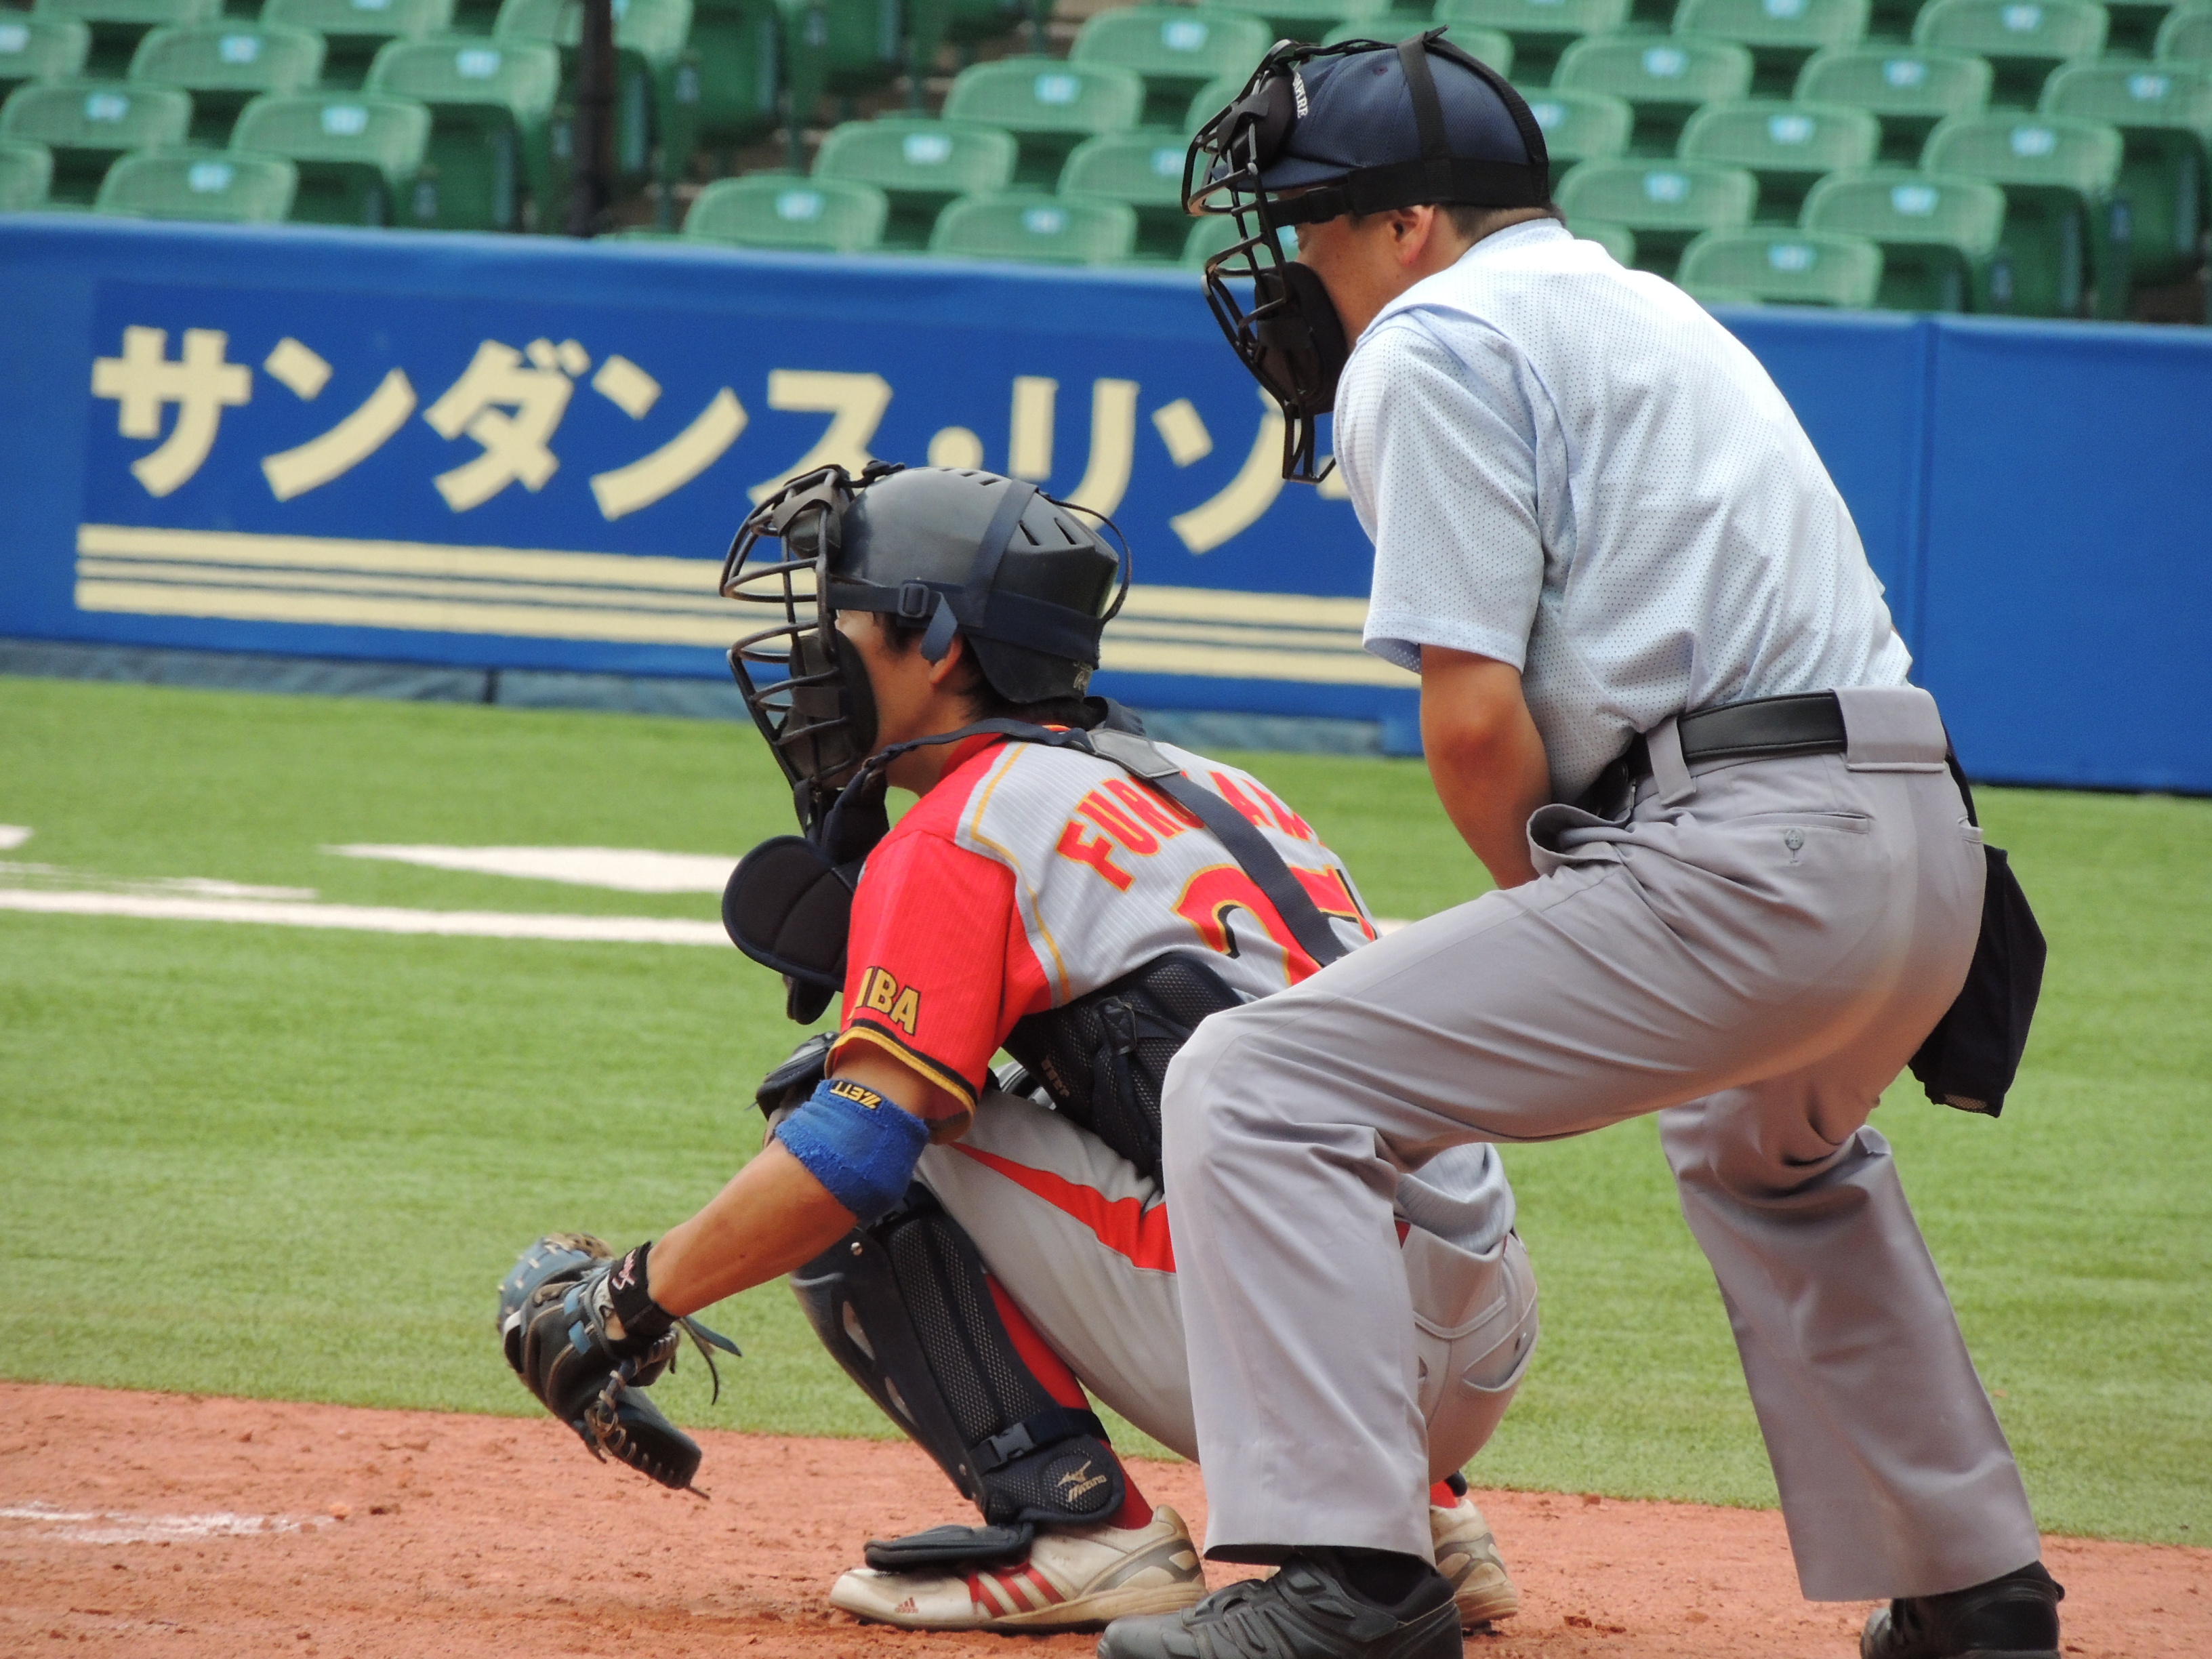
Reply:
x=904 y=1305
x=1477 y=1328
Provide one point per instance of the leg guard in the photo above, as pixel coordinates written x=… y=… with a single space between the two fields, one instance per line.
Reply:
x=1475 y=1332
x=904 y=1306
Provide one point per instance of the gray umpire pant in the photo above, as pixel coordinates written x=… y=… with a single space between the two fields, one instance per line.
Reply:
x=1753 y=954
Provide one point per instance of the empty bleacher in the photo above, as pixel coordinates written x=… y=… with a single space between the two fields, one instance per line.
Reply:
x=2041 y=158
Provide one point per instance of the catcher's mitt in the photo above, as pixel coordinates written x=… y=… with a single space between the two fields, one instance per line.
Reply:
x=555 y=1308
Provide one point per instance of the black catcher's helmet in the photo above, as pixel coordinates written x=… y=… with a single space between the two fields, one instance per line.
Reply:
x=1027 y=583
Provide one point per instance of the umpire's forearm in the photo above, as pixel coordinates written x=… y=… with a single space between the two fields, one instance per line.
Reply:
x=1486 y=757
x=773 y=1216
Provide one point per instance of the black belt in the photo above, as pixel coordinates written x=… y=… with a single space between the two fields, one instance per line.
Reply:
x=1805 y=723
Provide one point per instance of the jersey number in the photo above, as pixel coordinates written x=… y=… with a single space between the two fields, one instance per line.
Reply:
x=1214 y=893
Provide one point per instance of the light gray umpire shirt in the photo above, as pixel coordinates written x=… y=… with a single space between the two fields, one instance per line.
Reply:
x=1569 y=467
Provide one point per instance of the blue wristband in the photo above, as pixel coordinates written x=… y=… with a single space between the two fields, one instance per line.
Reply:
x=856 y=1143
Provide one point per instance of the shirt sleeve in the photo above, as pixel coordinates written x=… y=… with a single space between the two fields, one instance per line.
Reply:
x=1439 y=457
x=925 y=959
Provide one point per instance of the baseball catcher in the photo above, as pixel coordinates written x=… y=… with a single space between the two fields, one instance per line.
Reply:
x=986 y=1249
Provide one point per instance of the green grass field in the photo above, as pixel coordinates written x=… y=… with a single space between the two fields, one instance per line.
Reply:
x=293 y=1164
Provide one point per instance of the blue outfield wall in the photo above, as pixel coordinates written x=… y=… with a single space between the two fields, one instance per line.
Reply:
x=523 y=454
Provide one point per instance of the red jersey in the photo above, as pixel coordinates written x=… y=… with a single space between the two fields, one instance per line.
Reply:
x=1030 y=876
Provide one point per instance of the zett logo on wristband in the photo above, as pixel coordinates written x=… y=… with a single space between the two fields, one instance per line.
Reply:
x=846 y=1089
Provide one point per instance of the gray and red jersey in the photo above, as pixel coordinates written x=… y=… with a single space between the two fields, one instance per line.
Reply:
x=1031 y=875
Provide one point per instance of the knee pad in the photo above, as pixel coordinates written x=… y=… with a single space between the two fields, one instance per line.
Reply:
x=1475 y=1331
x=904 y=1306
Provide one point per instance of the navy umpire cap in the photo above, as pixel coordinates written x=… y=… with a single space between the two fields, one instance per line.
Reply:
x=1357 y=112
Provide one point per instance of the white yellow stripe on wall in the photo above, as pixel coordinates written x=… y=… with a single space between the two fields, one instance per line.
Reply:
x=235 y=576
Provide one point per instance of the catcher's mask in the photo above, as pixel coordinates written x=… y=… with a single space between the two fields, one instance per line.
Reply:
x=1029 y=585
x=1358 y=127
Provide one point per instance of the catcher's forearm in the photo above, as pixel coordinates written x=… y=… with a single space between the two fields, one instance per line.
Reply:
x=772 y=1216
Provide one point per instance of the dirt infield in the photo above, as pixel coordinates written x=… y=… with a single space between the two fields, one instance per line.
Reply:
x=208 y=1528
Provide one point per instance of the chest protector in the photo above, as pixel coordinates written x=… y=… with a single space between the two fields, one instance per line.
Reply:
x=1103 y=1057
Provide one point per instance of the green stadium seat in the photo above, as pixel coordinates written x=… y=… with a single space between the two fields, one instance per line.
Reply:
x=1783 y=265
x=1493 y=46
x=87 y=124
x=357 y=153
x=920 y=165
x=1890 y=21
x=2134 y=26
x=2023 y=39
x=1939 y=235
x=1178 y=50
x=1028 y=225
x=2163 y=113
x=228 y=186
x=1665 y=203
x=490 y=105
x=2185 y=37
x=782 y=210
x=40 y=49
x=1780 y=34
x=656 y=83
x=838 y=49
x=1143 y=168
x=354 y=30
x=1618 y=240
x=26 y=170
x=1210 y=99
x=1907 y=88
x=1539 y=29
x=1049 y=106
x=1209 y=234
x=117 y=26
x=1787 y=146
x=1215 y=231
x=2060 y=175
x=224 y=64
x=1581 y=126
x=739 y=47
x=1710 y=294
x=1307 y=20
x=1664 y=78
x=933 y=24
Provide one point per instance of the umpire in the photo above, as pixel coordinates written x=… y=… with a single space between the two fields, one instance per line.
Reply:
x=1663 y=701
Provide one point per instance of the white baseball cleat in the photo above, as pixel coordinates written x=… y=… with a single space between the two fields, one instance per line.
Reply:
x=1467 y=1555
x=1075 y=1578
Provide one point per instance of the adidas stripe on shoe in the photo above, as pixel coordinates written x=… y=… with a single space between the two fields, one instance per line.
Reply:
x=1074 y=1578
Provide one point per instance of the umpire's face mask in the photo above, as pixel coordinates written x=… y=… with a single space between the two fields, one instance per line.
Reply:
x=1298 y=343
x=1278 y=317
x=1336 y=147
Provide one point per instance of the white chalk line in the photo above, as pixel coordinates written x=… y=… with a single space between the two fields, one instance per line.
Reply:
x=54 y=890
x=371 y=918
x=625 y=869
x=50 y=876
x=121 y=1526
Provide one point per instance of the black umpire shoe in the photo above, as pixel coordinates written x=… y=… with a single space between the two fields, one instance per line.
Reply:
x=2015 y=1617
x=1307 y=1610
